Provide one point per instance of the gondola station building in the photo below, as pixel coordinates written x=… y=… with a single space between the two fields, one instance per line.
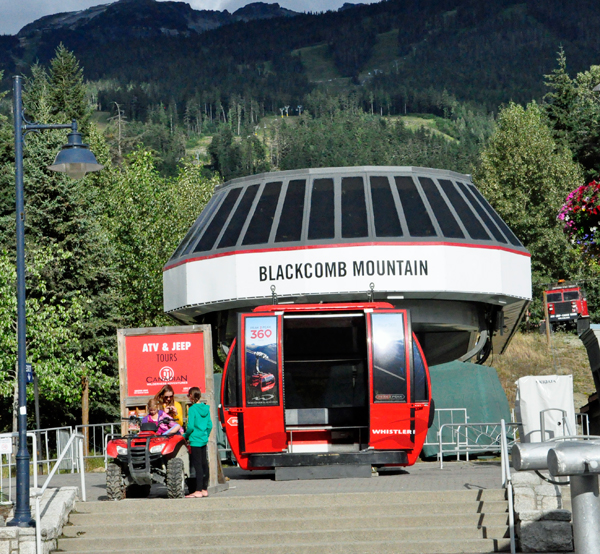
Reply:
x=332 y=290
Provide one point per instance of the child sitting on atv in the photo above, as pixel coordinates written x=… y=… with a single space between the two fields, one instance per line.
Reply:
x=165 y=424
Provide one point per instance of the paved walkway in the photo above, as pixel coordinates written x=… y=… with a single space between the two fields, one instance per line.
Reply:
x=424 y=476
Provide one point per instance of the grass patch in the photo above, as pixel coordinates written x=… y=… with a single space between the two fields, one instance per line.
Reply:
x=101 y=119
x=92 y=464
x=318 y=63
x=415 y=122
x=198 y=146
x=385 y=54
x=528 y=354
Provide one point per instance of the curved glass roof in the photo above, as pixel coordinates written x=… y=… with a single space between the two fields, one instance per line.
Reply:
x=344 y=205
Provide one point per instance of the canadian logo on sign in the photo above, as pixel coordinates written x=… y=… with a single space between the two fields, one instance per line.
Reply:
x=166 y=373
x=233 y=421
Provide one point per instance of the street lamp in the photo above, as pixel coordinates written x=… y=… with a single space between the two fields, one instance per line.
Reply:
x=75 y=160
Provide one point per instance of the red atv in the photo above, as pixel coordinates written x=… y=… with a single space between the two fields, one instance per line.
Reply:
x=142 y=458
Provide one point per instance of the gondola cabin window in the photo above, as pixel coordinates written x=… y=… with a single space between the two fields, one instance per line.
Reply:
x=420 y=392
x=389 y=358
x=230 y=391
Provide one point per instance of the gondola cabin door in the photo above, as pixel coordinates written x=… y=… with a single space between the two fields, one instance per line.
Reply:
x=399 y=384
x=261 y=424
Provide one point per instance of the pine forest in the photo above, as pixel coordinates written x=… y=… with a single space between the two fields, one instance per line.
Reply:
x=500 y=90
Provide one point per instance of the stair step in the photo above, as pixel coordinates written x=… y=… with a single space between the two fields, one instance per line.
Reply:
x=273 y=501
x=347 y=546
x=406 y=522
x=193 y=510
x=89 y=526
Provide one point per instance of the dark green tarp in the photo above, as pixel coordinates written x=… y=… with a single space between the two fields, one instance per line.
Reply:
x=477 y=389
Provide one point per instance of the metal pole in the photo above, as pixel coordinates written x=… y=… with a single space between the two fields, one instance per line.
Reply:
x=82 y=468
x=22 y=510
x=586 y=513
x=547 y=319
x=36 y=396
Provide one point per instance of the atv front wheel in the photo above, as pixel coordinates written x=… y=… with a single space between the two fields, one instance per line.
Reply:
x=175 y=478
x=115 y=488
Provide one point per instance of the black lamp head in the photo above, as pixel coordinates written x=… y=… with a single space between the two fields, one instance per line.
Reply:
x=75 y=159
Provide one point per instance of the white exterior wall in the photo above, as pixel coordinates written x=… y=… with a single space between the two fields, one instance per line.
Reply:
x=465 y=271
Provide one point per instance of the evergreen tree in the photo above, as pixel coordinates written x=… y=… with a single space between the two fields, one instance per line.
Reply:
x=573 y=108
x=561 y=100
x=64 y=215
x=526 y=175
x=67 y=92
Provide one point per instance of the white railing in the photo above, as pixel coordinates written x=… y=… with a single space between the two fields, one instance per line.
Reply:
x=10 y=438
x=47 y=447
x=38 y=493
x=445 y=415
x=7 y=463
x=583 y=421
x=507 y=484
x=51 y=444
x=471 y=438
x=94 y=438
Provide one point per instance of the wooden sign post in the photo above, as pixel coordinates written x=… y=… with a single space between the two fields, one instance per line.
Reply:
x=180 y=356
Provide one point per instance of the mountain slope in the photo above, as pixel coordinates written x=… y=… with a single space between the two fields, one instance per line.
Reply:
x=489 y=53
x=146 y=19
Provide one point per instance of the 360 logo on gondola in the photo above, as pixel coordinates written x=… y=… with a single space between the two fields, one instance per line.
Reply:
x=260 y=333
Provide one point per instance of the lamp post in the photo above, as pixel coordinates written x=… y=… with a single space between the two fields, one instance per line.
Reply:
x=75 y=160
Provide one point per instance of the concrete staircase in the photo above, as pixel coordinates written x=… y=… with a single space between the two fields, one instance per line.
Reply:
x=382 y=522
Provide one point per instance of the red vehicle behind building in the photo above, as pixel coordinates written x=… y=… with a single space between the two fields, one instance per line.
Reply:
x=324 y=384
x=566 y=303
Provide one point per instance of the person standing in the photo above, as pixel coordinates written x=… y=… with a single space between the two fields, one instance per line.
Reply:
x=198 y=430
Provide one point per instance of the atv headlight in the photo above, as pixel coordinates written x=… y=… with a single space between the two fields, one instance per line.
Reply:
x=157 y=448
x=122 y=450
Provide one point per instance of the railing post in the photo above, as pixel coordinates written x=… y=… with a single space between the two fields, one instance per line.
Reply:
x=507 y=483
x=441 y=452
x=586 y=513
x=38 y=527
x=82 y=468
x=35 y=458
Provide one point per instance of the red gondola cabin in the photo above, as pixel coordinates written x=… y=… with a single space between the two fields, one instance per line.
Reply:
x=320 y=384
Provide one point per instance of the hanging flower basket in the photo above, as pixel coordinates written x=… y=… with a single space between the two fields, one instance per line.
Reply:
x=581 y=217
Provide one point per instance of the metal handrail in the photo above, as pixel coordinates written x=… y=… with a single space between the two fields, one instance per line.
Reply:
x=90 y=429
x=507 y=484
x=565 y=422
x=108 y=437
x=34 y=460
x=468 y=448
x=585 y=427
x=38 y=493
x=446 y=413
